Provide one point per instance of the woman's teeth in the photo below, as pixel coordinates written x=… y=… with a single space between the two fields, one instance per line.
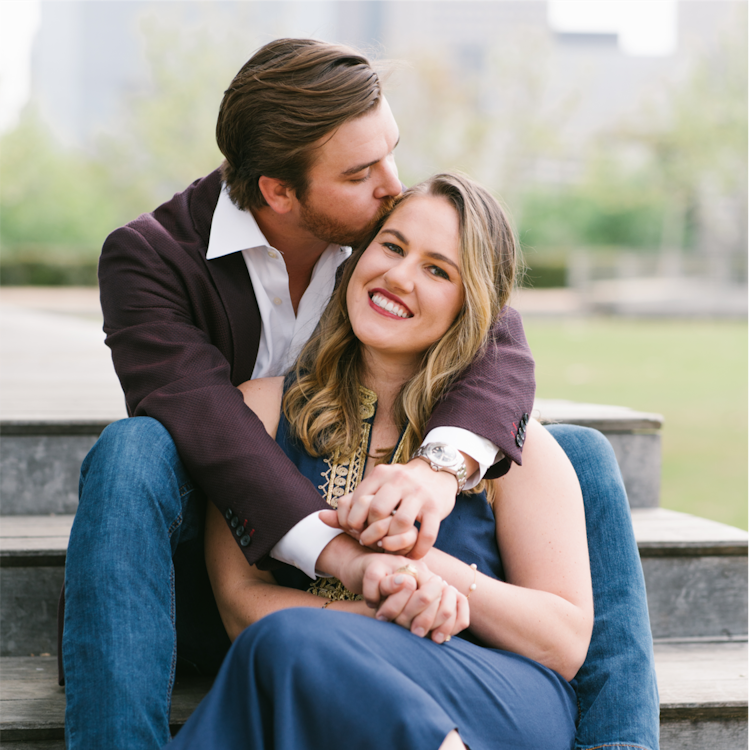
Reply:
x=390 y=306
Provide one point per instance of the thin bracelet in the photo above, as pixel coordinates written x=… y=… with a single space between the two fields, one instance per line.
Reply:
x=473 y=586
x=326 y=604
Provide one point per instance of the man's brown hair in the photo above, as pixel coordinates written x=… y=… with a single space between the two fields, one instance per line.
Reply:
x=287 y=96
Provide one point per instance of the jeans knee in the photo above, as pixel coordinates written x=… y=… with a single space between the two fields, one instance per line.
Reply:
x=142 y=435
x=134 y=458
x=586 y=442
x=134 y=442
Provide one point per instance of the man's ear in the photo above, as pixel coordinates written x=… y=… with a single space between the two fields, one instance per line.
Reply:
x=278 y=194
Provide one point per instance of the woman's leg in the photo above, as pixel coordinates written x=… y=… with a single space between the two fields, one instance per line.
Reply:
x=309 y=679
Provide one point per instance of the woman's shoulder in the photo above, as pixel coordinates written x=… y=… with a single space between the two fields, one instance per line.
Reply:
x=263 y=396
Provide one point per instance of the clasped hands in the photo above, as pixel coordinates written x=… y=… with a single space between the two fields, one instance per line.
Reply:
x=380 y=514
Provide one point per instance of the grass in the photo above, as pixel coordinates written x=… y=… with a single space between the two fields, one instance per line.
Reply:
x=692 y=372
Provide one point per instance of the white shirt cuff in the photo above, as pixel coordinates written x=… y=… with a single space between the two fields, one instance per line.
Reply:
x=302 y=544
x=484 y=452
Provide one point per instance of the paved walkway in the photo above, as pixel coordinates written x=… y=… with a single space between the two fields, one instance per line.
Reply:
x=53 y=361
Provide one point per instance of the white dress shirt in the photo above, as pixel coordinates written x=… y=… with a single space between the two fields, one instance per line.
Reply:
x=282 y=336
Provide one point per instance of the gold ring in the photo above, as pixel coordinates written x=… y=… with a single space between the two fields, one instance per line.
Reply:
x=410 y=570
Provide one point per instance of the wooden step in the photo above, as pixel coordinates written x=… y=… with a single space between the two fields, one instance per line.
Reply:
x=703 y=688
x=33 y=704
x=695 y=570
x=635 y=437
x=696 y=574
x=703 y=695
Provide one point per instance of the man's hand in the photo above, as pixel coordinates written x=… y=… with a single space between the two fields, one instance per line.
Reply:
x=382 y=510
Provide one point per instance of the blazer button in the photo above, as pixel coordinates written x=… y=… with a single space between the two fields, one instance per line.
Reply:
x=525 y=419
x=245 y=541
x=240 y=530
x=519 y=440
x=234 y=523
x=228 y=515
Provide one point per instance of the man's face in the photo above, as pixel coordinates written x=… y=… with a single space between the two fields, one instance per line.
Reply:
x=353 y=180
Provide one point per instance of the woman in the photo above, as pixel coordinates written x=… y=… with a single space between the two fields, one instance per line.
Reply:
x=315 y=670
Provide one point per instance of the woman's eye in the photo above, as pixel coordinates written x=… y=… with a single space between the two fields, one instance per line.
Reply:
x=393 y=248
x=437 y=271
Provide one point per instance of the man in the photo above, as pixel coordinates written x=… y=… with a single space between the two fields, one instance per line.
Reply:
x=222 y=284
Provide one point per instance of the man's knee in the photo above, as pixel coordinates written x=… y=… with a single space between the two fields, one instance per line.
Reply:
x=134 y=458
x=582 y=443
x=136 y=437
x=138 y=443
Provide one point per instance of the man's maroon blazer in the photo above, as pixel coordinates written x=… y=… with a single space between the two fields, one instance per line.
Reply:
x=184 y=332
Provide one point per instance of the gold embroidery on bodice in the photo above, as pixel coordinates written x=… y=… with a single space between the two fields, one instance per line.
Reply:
x=341 y=478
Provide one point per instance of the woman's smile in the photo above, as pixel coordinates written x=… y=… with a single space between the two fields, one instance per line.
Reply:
x=389 y=305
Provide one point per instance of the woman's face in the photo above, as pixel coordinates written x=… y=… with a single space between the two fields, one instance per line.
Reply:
x=407 y=289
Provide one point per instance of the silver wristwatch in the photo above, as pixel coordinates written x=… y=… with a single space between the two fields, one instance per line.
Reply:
x=444 y=457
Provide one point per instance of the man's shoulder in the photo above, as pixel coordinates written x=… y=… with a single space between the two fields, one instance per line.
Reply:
x=185 y=219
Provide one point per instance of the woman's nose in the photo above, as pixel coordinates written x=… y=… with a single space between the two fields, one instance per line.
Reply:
x=400 y=277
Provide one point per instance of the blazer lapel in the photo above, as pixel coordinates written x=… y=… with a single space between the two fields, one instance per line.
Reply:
x=238 y=297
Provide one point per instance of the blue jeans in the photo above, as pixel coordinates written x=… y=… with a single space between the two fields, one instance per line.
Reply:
x=138 y=600
x=617 y=693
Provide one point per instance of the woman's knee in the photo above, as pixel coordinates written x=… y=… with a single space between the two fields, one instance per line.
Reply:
x=288 y=637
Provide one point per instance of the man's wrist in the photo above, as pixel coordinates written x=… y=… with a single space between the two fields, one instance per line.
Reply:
x=443 y=457
x=337 y=557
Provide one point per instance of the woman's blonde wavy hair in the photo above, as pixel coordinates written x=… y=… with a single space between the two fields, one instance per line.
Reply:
x=323 y=404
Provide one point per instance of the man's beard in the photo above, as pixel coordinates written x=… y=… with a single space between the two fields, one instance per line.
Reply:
x=335 y=232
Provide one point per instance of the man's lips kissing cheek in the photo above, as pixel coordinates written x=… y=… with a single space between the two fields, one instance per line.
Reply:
x=389 y=305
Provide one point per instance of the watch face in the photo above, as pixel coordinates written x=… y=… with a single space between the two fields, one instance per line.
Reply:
x=443 y=454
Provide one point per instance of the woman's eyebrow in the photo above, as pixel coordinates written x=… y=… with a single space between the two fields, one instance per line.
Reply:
x=445 y=259
x=400 y=237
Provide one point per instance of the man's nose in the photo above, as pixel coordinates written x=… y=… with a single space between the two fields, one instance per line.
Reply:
x=390 y=186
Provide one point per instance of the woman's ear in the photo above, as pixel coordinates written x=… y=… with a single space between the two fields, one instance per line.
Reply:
x=278 y=194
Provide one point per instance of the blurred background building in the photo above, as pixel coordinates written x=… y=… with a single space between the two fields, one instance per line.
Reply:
x=622 y=156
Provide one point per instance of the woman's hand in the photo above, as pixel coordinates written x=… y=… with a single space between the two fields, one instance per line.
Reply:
x=415 y=598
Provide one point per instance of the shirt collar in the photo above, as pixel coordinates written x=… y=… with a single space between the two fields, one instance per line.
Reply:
x=232 y=229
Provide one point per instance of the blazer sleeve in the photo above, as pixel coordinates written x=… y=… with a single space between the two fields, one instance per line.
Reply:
x=495 y=395
x=159 y=308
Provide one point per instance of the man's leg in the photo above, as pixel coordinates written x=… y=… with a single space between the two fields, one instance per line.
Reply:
x=617 y=693
x=137 y=504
